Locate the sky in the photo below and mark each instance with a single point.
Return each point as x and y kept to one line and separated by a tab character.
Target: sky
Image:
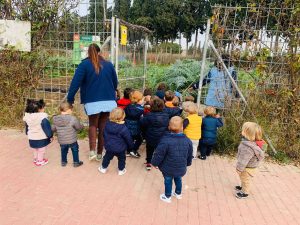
83	10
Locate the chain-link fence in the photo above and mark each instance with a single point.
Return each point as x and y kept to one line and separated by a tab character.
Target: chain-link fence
258	45
66	44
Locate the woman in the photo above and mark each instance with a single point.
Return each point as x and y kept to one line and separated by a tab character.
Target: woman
220	88
97	80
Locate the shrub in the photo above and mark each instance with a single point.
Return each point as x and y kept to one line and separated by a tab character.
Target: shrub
19	74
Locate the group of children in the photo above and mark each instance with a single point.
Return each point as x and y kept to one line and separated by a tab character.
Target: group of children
173	132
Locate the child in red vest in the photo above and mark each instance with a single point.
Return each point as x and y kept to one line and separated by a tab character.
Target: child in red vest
125	101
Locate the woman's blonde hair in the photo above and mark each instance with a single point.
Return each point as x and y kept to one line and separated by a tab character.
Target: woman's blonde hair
210	111
136	96
191	108
117	115
250	130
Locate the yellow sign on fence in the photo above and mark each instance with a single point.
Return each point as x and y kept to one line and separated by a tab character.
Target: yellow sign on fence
123	35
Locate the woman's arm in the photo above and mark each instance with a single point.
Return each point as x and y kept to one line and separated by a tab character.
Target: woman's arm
47	128
114	77
205	81
76	82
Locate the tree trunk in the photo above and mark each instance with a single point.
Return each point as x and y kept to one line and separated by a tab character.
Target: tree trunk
187	46
195	45
179	42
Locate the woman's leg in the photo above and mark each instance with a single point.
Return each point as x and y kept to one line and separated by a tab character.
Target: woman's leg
93	125
103	116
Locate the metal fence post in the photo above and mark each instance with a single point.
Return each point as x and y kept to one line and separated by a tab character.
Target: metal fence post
203	62
145	61
112	41
117	44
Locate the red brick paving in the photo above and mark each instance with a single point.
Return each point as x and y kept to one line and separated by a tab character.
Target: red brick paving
52	194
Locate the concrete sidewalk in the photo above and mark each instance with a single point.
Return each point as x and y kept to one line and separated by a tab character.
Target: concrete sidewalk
53	194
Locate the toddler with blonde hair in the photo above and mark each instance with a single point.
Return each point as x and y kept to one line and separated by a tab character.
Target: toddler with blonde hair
248	158
210	124
192	125
117	140
172	156
133	113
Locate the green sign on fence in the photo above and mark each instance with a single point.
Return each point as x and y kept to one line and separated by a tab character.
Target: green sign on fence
81	44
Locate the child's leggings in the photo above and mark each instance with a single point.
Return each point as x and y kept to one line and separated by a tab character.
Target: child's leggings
195	147
38	153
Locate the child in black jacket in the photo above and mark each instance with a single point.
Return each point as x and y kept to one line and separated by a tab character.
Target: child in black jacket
117	140
133	112
172	155
154	125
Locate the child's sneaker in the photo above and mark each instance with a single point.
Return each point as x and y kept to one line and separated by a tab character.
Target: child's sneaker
77	164
128	154
98	157
164	198
238	188
202	157
42	163
64	164
122	172
133	154
241	195
101	169
148	166
177	195
92	155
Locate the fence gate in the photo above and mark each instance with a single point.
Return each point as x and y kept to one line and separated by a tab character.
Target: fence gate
66	45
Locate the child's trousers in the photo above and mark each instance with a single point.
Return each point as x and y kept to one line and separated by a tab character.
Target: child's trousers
206	147
245	177
137	141
64	152
149	152
195	147
110	155
168	185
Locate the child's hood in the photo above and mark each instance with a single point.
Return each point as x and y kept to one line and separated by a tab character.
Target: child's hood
134	111
257	150
113	128
62	120
34	118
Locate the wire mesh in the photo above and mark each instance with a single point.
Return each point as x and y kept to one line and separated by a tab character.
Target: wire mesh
66	44
257	42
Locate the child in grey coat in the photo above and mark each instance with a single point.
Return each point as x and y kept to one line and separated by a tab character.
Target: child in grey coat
248	158
66	127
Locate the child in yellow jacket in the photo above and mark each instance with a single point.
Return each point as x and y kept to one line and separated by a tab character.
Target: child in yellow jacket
192	125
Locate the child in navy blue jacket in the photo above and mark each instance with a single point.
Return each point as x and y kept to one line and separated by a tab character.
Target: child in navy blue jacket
171	104
210	124
172	155
154	125
133	113
117	140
